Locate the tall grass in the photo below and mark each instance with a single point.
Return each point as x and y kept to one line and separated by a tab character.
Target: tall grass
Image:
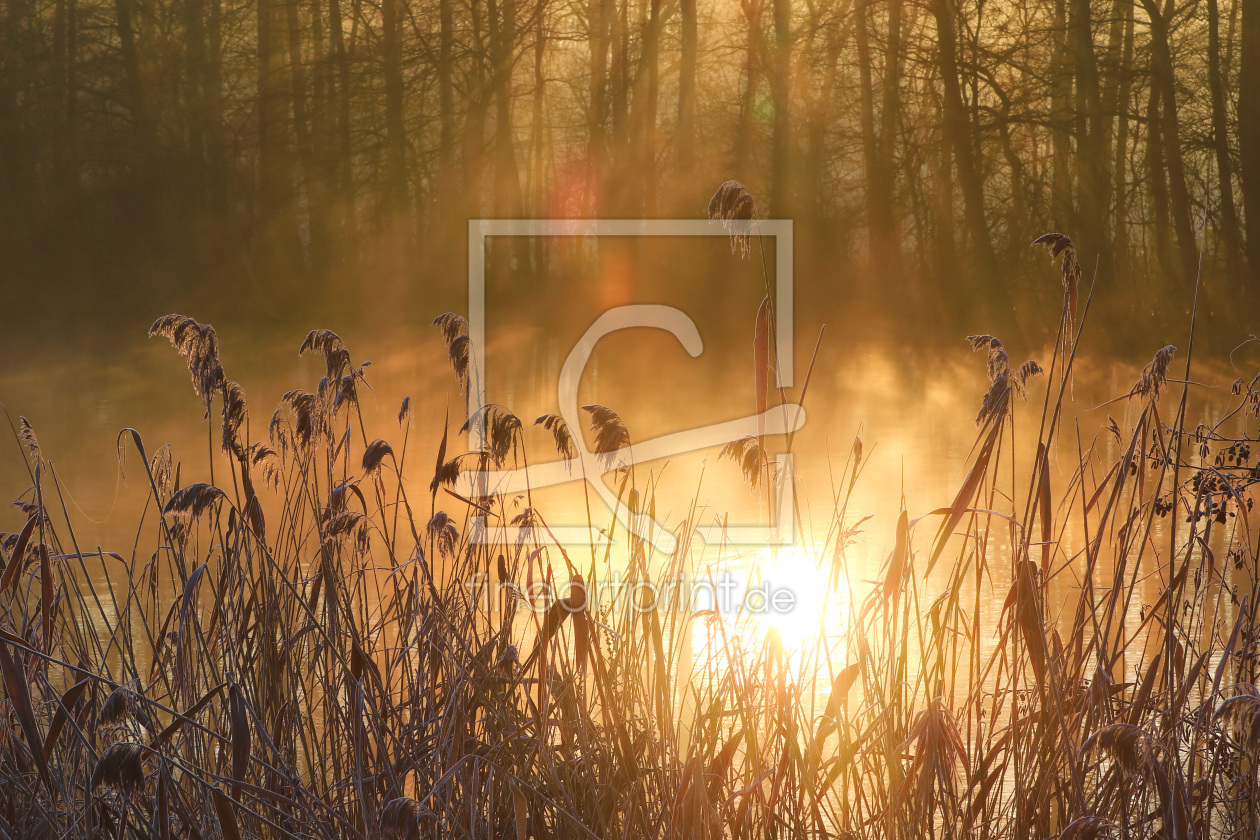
293	650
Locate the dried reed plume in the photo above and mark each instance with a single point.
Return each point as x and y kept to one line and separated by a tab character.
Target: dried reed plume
199	345
458	347
121	767
401	819
327	342
263	458
747	452
374	454
1154	375
310	419
1058	244
560	434
118	707
193	499
1241	715
734	206
234	416
443	533
1088	828
1127	745
1002	382
27	435
448	472
938	750
499	428
611	434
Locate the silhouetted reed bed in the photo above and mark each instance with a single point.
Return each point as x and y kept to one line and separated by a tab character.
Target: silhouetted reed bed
290	650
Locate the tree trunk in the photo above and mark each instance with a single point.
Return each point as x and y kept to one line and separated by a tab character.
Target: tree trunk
870	146
135	84
781	142
341	164
687	88
396	188
537	135
1162	79
1060	123
956	130
649	91
1228	221
1123	250
1091	173
446	97
507	183
1249	130
599	13
278	243
890	113
1159	187
744	136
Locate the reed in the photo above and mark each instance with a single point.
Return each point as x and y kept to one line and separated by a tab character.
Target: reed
300	650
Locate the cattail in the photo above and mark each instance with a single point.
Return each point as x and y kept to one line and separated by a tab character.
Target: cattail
443	533
611	434
374	454
199	345
560	433
734	206
1128	746
1088	828
1241	715
193	499
747	452
121	767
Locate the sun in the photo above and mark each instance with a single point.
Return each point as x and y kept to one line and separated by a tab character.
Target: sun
796	599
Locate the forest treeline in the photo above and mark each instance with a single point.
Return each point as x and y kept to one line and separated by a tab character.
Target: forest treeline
929	139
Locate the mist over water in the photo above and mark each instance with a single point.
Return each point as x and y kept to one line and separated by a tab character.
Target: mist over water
909	394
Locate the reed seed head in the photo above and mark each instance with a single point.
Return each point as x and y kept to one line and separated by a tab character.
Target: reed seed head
735	207
121	767
611	434
199	345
